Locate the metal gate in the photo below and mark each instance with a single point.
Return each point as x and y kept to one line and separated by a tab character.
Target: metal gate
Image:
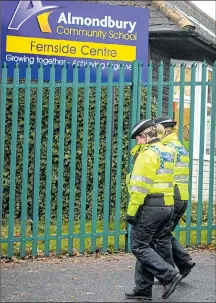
65	155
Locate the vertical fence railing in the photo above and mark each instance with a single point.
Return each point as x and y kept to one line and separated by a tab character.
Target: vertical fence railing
191	150
136	87
201	153
25	162
37	160
73	161
212	155
160	89
181	118
61	159
171	89
149	91
107	158
132	120
84	159
139	93
13	161
181	103
49	160
2	135
96	159
119	159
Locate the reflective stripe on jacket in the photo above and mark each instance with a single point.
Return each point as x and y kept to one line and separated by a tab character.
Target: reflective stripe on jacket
181	171
152	174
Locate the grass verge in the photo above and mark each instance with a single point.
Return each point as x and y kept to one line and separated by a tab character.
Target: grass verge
115	242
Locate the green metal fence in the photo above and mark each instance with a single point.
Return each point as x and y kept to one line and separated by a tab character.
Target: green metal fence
65	154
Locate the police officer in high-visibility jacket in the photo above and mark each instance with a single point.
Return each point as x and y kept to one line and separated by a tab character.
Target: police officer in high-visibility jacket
181	194
150	209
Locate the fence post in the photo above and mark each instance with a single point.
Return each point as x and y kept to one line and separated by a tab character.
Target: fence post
212	156
181	103
201	154
119	158
108	157
37	147
139	90
84	159
111	147
171	89
96	158
49	160
13	161
61	158
73	160
132	121
191	139
2	134
160	89
25	161
149	91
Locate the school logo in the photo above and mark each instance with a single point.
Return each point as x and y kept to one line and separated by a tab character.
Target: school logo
28	9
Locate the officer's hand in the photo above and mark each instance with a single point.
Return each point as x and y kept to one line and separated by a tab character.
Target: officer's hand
131	220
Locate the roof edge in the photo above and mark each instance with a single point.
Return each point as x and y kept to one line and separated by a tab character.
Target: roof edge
169	34
194	6
174	16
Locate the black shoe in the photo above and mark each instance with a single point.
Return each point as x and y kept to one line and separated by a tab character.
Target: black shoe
139	296
186	269
170	287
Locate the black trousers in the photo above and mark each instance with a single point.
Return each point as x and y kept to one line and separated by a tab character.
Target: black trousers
144	237
178	256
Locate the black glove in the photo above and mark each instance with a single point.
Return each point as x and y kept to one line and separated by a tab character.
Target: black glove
131	220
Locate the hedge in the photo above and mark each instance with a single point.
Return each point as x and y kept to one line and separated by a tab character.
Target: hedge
67	154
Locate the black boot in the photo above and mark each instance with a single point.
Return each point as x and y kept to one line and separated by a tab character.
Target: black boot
170	287
139	296
186	268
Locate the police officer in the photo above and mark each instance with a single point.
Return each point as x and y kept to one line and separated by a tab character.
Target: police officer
150	209
181	193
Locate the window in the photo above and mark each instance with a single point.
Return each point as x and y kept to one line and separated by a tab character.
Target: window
176	100
197	106
187	78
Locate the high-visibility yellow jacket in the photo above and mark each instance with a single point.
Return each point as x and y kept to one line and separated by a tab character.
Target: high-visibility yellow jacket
181	170
152	174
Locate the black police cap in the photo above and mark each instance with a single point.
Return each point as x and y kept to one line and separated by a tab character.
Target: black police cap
141	126
166	121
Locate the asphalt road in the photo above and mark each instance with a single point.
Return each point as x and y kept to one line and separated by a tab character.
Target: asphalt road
102	279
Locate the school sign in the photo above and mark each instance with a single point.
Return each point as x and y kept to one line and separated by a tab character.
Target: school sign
71	32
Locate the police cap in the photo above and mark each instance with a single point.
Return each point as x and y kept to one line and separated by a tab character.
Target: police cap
141	126
166	121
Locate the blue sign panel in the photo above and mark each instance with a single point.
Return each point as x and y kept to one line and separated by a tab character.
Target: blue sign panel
71	32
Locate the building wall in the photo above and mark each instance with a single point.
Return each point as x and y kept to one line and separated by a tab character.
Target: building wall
199	56
156	56
195	180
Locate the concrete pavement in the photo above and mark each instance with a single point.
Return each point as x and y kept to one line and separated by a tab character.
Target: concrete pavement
102	279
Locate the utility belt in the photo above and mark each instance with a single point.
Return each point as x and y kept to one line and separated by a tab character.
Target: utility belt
155	200
151	200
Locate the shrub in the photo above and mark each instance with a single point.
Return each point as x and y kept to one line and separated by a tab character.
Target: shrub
67	151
